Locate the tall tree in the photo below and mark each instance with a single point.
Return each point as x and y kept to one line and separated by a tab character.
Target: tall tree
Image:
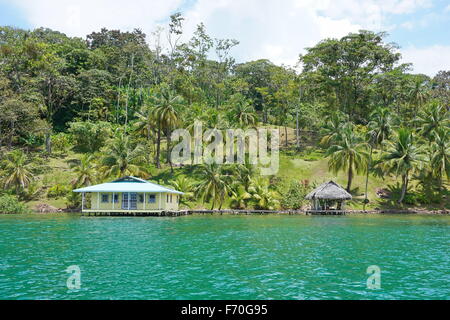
17	172
348	153
214	185
402	157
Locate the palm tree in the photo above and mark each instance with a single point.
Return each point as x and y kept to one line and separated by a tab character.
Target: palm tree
440	155
239	198
16	170
122	158
380	129
244	173
242	112
402	157
432	119
214	185
84	171
167	111
263	197
333	127
146	122
348	153
380	125
185	185
418	94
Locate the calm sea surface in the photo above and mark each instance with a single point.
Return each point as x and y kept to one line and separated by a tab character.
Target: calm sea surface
225	257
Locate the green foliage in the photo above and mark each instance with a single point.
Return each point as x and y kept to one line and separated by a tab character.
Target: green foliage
352	95
73	200
90	136
17	171
61	142
58	191
294	195
123	157
10	205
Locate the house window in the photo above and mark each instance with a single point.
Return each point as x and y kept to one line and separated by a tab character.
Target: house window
116	198
141	198
170	198
167	198
151	198
105	198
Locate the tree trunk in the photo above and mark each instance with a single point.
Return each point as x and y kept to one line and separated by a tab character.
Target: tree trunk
158	147
350	176
286	138
367	177
48	143
169	158
404	187
11	135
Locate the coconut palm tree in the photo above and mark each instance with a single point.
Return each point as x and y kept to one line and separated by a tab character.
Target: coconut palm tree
122	158
380	125
242	111
244	173
348	153
432	119
84	171
16	171
146	122
185	185
167	110
239	197
440	154
379	131
262	196
333	127
402	157
214	185
418	94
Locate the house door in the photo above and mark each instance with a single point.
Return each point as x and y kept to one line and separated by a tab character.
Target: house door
129	201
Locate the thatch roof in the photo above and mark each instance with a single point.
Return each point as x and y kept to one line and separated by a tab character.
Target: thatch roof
330	191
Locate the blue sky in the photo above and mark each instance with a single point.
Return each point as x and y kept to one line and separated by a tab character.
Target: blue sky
275	29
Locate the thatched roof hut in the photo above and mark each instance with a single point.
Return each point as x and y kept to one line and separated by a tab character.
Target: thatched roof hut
327	194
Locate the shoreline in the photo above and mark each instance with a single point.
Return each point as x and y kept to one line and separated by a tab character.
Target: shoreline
248	212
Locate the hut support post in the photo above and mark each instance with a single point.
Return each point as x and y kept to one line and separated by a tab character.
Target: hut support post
98	200
160	196
82	201
113	200
145	199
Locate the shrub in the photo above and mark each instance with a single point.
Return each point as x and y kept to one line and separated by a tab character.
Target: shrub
61	142
10	205
58	190
73	200
90	136
294	196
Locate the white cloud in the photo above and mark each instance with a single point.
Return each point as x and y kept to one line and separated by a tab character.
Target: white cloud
81	17
428	60
278	30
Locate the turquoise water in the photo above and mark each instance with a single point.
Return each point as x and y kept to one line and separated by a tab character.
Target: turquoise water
225	257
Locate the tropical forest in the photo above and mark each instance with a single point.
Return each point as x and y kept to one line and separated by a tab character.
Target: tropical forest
75	112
